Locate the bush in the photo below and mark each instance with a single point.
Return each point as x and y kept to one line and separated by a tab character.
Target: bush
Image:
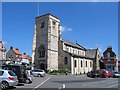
60	71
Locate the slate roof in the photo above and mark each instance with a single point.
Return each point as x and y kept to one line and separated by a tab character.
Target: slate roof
46	15
91	53
80	56
76	45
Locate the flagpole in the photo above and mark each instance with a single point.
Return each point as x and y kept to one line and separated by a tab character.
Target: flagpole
38	8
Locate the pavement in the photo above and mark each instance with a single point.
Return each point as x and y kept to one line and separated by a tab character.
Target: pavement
70	81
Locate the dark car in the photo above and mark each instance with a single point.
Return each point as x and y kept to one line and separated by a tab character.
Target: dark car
93	73
18	70
105	73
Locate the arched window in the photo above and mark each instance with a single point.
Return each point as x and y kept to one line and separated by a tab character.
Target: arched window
86	63
75	63
41	51
65	60
90	64
81	64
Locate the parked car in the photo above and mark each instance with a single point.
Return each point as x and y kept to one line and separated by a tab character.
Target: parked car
8	78
93	73
116	74
29	77
18	70
38	72
105	73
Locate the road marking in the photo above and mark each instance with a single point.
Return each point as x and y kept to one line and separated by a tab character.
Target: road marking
41	83
112	86
91	84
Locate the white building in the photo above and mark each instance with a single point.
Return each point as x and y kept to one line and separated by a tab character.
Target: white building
2	53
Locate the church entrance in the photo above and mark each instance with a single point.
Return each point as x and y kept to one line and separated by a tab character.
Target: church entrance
42	66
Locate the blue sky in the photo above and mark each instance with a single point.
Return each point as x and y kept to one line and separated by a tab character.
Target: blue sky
92	25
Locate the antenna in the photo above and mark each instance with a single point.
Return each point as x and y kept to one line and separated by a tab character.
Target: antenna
38	8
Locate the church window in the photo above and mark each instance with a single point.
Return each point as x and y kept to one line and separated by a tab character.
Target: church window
81	64
86	63
75	63
65	60
42	25
41	51
90	64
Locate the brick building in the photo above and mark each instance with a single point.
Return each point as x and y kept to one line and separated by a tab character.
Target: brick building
109	59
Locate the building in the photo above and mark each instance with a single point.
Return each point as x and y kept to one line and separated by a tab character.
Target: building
25	59
51	52
13	56
2	53
109	59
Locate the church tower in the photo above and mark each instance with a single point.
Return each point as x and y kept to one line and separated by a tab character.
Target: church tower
45	42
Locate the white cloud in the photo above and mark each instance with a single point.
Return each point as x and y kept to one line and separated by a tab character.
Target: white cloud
63	29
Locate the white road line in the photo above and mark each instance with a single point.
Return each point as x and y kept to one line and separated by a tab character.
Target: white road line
41	83
112	86
98	82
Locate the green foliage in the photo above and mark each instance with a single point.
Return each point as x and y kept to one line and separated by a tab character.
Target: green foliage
58	72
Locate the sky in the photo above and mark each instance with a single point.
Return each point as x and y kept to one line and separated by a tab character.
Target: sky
91	24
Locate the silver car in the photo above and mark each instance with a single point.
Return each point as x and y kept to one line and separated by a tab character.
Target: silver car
38	73
7	79
116	74
29	76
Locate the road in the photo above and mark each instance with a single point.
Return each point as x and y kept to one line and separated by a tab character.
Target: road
70	81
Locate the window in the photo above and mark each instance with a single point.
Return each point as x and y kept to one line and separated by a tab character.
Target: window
1	73
11	73
81	64
65	60
67	49
41	51
54	23
75	63
108	55
86	63
42	25
90	64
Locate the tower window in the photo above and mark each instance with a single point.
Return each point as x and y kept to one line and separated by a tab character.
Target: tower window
54	23
65	60
42	25
41	51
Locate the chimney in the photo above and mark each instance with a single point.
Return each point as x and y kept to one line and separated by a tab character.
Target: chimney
11	48
17	49
24	53
110	48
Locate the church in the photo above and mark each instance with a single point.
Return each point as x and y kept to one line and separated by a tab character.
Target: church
51	52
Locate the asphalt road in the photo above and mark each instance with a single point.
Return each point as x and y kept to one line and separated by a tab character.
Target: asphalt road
70	81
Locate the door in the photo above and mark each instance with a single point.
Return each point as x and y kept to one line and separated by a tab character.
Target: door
42	66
